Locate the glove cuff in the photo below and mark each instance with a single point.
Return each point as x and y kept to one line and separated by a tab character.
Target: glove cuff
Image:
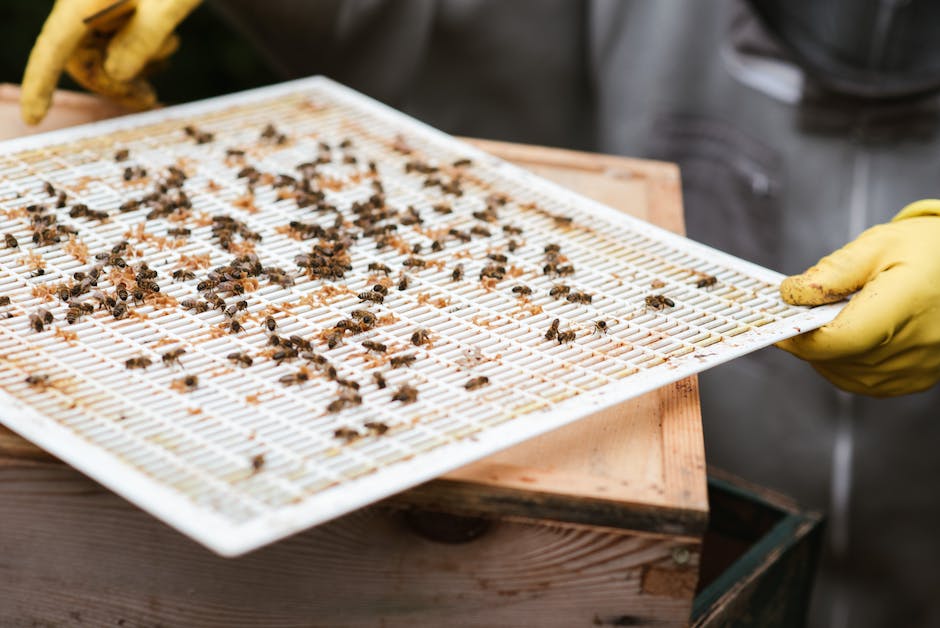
925	207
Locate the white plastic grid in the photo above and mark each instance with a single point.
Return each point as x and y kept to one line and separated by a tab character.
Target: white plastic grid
243	459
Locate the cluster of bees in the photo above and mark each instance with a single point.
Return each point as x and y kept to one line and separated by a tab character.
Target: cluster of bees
226	288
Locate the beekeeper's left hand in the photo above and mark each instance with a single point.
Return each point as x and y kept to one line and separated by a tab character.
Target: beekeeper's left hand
886	341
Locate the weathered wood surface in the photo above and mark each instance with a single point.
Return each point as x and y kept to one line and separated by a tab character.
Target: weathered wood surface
72	553
597	523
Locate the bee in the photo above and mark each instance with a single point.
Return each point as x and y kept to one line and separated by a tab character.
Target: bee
10	241
64	293
366	317
345	400
48	188
292	379
257	462
370	295
405	394
172	356
493	271
460	235
600	327
300	343
376	428
235	327
420	337
284	355
480	231
241	359
498	257
442	208
462	163
402	360
45	314
347	383
552	249
706	281
183	275
552	268
658	302
74	313
270	323
333	340
4	301
414	262
316	358
192	304
188	383
119	310
559	290
372	345
580	297
522	291
178	232
215	301
37	381
511	230
457	274
552	332
141	362
379	380
566	336
380	289
121	155
437	246
200	137
379	268
231	311
512	245
346	433
477	382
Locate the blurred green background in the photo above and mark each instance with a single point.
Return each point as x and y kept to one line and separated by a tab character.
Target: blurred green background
212	59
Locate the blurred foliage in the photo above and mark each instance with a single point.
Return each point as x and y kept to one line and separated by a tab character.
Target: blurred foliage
212	59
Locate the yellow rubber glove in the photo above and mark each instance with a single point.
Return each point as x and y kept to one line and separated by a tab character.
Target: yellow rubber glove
886	341
105	45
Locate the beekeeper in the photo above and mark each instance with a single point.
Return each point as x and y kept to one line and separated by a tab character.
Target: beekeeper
798	126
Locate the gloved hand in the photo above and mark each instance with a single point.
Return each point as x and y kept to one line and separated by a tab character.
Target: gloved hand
886	341
105	45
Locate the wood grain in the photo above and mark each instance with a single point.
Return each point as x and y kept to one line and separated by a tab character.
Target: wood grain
74	554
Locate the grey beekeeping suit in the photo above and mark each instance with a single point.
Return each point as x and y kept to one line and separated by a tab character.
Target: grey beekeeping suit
796	126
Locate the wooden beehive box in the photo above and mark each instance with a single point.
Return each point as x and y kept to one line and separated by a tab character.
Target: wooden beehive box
599	523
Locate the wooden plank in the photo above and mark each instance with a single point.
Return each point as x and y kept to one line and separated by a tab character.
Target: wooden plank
68	109
641	462
75	554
